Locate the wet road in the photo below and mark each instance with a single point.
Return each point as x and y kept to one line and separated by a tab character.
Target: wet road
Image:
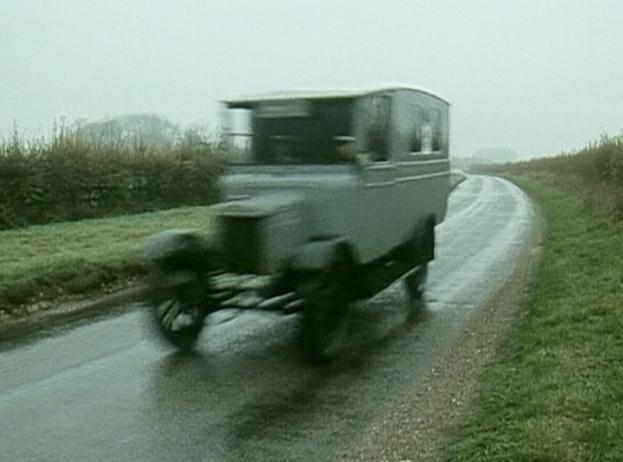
108	390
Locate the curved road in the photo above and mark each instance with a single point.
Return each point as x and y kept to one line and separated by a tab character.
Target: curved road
108	390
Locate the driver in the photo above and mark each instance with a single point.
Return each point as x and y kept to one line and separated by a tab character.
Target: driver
282	149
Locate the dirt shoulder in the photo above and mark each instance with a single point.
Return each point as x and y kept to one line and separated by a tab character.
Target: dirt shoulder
417	428
30	318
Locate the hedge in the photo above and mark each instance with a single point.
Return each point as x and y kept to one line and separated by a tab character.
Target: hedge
68	179
596	169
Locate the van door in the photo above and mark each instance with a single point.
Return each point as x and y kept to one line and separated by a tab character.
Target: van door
378	201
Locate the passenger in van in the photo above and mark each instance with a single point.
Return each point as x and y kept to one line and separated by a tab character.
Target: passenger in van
345	148
283	149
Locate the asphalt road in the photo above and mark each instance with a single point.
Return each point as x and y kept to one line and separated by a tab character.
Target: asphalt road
108	390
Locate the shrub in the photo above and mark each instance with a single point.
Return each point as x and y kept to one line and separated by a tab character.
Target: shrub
70	178
597	169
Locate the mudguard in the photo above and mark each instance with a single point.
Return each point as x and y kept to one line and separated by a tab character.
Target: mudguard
316	255
179	250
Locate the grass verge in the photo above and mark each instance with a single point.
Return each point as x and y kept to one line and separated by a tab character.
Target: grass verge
50	260
555	392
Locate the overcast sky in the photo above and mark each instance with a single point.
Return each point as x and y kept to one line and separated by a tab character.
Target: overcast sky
536	76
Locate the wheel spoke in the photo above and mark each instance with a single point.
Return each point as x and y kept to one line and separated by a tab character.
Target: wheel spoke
178	312
172	315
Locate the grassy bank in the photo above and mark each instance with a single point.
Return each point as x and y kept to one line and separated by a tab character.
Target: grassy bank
555	393
48	260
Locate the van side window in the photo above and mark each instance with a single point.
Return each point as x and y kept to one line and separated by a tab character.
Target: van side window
436	126
415	143
374	114
377	133
427	132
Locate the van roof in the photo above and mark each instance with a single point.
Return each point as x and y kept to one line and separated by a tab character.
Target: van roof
250	100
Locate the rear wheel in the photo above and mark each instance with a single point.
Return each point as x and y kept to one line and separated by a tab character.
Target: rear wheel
178	309
423	251
414	282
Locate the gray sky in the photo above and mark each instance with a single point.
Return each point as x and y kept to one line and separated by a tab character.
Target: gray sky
536	76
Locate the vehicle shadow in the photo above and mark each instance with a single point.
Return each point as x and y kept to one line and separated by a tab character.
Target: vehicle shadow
244	400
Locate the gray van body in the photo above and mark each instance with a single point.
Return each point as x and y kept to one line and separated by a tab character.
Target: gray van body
274	215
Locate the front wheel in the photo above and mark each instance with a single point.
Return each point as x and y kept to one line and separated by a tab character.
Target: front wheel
178	310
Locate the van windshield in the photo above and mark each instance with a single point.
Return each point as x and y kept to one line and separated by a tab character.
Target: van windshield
291	132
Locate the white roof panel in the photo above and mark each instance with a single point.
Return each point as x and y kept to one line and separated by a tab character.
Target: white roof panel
320	94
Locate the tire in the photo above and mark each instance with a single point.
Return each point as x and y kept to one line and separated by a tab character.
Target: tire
178	311
414	283
327	299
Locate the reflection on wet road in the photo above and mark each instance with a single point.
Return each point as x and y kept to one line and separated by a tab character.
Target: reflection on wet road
107	390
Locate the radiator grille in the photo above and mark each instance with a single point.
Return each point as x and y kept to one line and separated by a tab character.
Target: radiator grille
243	244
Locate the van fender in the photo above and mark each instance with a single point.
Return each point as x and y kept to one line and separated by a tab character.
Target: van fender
317	255
180	250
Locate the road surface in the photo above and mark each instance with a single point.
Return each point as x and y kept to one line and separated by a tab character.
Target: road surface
109	390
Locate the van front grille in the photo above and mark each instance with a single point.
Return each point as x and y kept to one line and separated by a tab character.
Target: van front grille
242	244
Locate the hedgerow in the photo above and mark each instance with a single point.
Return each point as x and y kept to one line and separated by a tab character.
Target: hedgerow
69	178
596	170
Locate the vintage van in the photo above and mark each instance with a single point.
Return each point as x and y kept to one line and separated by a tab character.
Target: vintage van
328	197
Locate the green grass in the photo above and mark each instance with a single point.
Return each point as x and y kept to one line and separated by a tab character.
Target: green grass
555	393
46	260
